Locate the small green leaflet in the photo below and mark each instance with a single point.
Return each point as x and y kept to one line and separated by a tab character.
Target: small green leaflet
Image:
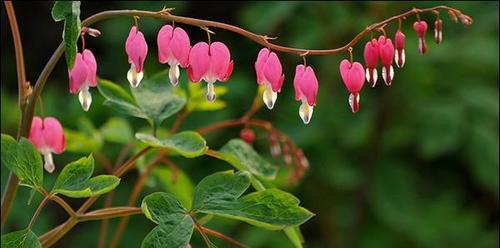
188	143
20	239
69	11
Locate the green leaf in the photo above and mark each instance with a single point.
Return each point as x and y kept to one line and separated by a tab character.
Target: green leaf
188	143
69	11
118	98
157	99
175	226
20	239
219	194
74	180
244	157
198	102
62	9
23	160
80	143
117	130
176	182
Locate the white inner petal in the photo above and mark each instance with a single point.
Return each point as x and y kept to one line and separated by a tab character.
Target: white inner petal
391	74
421	45
403	57
85	98
269	96
49	162
305	111
396	58
173	74
210	92
133	77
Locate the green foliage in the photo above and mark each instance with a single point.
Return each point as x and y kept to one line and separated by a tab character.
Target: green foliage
175	182
117	130
69	11
23	160
188	143
198	101
20	239
245	158
74	180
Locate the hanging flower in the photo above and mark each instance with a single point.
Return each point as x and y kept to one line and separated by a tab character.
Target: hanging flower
371	55
270	74
136	49
420	28
386	50
83	76
353	76
48	137
210	63
438	31
173	48
399	55
306	89
247	135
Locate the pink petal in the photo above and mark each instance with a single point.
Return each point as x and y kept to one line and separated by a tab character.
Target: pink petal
299	72
309	86
163	40
386	50
400	40
136	48
273	72
219	60
420	28
199	61
91	63
54	135
371	53
180	46
78	75
36	133
260	62
353	75
228	72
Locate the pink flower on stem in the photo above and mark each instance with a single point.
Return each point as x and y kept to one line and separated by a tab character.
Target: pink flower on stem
210	63
371	55
306	89
353	76
399	55
83	76
438	31
48	137
386	50
136	49
269	74
420	28
173	48
247	135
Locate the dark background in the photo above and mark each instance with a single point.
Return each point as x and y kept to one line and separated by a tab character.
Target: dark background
417	166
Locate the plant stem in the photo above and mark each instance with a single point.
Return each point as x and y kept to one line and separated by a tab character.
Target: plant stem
221	236
38	210
108	213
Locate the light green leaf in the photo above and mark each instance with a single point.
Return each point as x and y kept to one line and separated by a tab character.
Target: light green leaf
244	157
175	226
20	239
219	194
80	143
117	130
157	99
23	160
118	99
176	182
188	144
74	180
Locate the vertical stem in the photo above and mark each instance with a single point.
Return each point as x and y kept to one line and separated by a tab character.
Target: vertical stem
38	210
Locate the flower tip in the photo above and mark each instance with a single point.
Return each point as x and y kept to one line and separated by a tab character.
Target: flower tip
85	99
305	112
210	92
354	102
269	98
134	77
49	163
173	74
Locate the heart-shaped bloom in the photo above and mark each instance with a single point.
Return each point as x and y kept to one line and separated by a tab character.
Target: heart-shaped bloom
399	55
386	50
173	48
48	137
438	31
136	49
83	76
270	74
371	55
306	89
420	28
210	63
353	76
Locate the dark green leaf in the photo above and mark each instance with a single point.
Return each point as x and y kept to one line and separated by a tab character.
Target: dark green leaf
157	99
20	239
74	180
69	11
62	9
244	157
118	99
188	143
23	160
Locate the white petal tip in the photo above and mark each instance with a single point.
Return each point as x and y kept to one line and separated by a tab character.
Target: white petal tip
85	99
49	163
173	74
305	112
269	98
133	77
210	92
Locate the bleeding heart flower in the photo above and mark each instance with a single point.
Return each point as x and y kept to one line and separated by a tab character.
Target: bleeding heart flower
438	31
306	89
353	76
247	135
399	55
210	63
386	50
269	73
48	137
83	76
173	48
371	55
420	28
136	49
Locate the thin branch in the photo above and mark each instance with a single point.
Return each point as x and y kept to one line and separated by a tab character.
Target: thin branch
37	211
221	236
105	223
109	213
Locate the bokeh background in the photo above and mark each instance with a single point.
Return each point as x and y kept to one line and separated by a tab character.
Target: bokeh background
417	166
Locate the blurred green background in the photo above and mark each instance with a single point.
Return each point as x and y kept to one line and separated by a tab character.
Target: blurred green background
417	166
